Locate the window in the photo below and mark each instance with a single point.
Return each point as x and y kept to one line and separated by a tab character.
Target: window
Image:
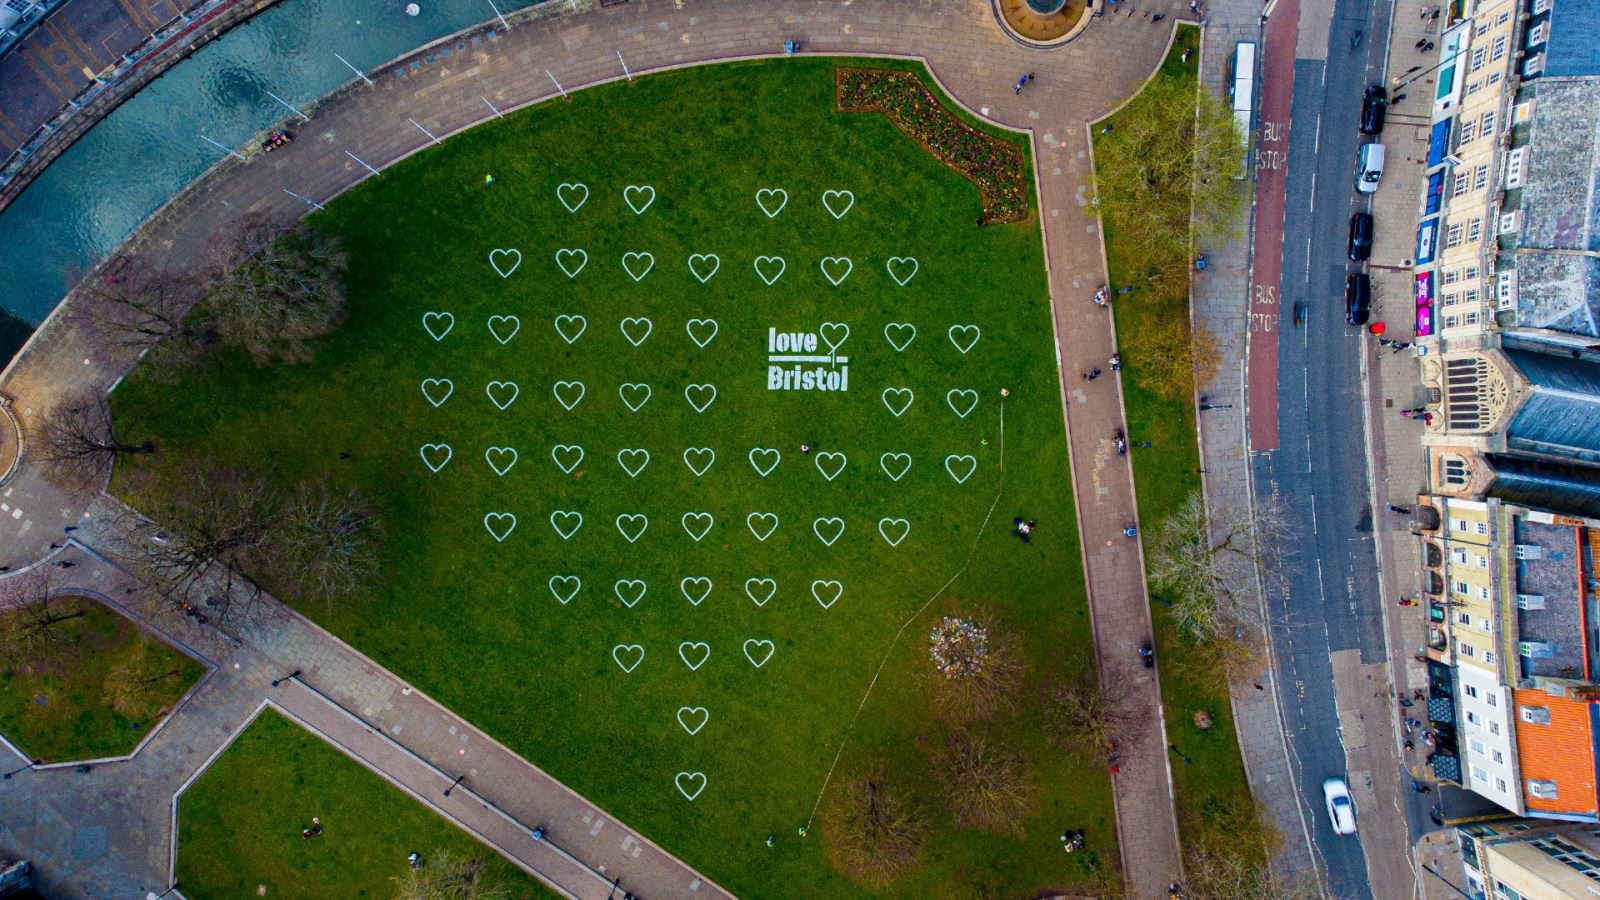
1459	555
1472	294
1473	88
1540	7
1469	129
1476	745
1533	65
1475	228
1483	527
1492	699
1482	561
1499	47
1472	719
1452	299
1480	179
1486	127
1460	524
1488	660
1539	34
1452	321
1461	183
1478	56
1462	587
1543	790
1470	272
1508	222
1471	318
1483	592
1507	288
1494	78
1479	774
1504	17
1453	236
1500	785
17	6
1467	650
1498	758
1470	690
1454	275
1494	727
1514	161
1455	470
1534	715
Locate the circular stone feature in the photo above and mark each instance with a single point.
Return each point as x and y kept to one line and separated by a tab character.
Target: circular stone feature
1042	23
1046	7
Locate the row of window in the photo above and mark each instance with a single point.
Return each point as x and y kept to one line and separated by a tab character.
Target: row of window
1475	719
1471	652
1464	274
1477	747
1464	524
1483	126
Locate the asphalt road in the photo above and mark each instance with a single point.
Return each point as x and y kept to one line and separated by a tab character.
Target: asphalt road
1327	598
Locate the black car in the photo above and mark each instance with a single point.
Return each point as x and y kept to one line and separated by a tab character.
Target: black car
1373	106
1357	298
1360	236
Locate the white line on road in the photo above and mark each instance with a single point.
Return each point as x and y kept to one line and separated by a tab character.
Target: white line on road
1313	513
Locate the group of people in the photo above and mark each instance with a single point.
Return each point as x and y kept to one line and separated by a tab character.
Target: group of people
275	140
312	830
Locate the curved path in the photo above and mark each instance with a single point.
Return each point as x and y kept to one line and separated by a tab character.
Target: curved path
975	62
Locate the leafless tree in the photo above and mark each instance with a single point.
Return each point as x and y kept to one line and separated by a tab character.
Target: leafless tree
985	783
30	620
874	830
977	678
328	539
1207	565
136	306
1239	872
274	289
78	442
1098	723
133	685
446	876
215	527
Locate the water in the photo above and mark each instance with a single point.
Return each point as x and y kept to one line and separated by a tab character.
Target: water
140	156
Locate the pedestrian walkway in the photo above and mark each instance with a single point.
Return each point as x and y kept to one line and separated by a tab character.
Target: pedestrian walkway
975	63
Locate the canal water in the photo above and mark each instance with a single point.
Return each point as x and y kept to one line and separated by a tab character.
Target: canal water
145	152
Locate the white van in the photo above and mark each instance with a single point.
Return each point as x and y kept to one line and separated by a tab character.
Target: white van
1369	168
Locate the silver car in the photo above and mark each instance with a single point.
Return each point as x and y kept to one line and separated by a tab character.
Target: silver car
1341	808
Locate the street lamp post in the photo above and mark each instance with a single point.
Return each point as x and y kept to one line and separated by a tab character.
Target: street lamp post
459	779
1211	406
278	681
31	764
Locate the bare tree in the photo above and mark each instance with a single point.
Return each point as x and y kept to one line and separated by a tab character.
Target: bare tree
330	539
273	290
31	620
1207	564
448	877
1093	721
875	831
133	685
1238	871
79	443
1168	358
137	306
985	783
977	667
216	527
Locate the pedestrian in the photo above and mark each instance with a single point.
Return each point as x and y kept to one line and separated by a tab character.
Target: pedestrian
1084	375
344	454
1397	98
980	220
1428	47
69	529
1419	43
772	840
1093	374
1186	54
1157	17
805	448
1020	82
65	563
1402	510
316	826
5	568
1144	444
55	546
1106	128
488	180
1409	746
804	830
414	860
1194	6
1116	362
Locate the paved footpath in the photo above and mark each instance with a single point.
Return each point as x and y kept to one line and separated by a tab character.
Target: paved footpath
973	60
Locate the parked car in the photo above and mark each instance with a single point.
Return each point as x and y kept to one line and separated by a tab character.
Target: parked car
1369	168
1374	105
1357	298
1360	236
1341	808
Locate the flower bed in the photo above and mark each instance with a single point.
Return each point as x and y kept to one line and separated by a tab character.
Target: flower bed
994	165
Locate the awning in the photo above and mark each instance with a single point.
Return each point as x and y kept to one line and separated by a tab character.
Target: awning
1435	194
1426	233
1439	143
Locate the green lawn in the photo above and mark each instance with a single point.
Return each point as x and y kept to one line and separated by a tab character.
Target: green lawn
56	709
239	825
1213	797
475	621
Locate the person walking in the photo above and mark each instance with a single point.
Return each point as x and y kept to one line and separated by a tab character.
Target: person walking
1402	510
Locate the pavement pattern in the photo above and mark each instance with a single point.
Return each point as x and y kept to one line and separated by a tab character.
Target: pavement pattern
396	116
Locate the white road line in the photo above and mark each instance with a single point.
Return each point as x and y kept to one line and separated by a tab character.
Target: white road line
1313	509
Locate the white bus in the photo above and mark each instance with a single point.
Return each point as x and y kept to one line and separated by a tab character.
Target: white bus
1243	93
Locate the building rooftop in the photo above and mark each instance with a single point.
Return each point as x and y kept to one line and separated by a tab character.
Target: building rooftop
1552	571
1560	418
1558	487
1571	48
1560	291
1558	286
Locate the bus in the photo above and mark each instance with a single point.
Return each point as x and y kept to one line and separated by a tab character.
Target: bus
1243	94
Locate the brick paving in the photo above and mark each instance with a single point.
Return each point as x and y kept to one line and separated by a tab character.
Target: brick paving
974	62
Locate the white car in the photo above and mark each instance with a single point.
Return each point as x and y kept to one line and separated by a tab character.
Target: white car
1341	809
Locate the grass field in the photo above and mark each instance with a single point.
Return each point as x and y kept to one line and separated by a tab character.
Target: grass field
57	710
239	825
1213	796
533	637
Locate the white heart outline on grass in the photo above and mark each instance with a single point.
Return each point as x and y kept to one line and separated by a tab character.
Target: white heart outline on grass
850	202
575	581
772	213
695	645
632	517
692	324
782	267
633	452
492	387
697	579
902	524
508	251
899	348
900	261
770	585
702	712
834	261
883	462
826	327
566	253
970	461
705	517
561	190
776	458
700	472
648	257
633	321
516	326
700	388
830	520
629	583
428	317
716	263
583	325
434	448
561	386
763	642
964	393
906	392
558	449
566	515
767	518
964	329
626	386
499	519
679	778
629	648
831	454
838	591
627	197
490	452
428	383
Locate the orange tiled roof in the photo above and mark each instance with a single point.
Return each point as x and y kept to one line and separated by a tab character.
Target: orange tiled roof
1563	752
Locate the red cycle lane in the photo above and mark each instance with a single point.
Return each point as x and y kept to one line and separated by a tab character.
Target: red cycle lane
1266	270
